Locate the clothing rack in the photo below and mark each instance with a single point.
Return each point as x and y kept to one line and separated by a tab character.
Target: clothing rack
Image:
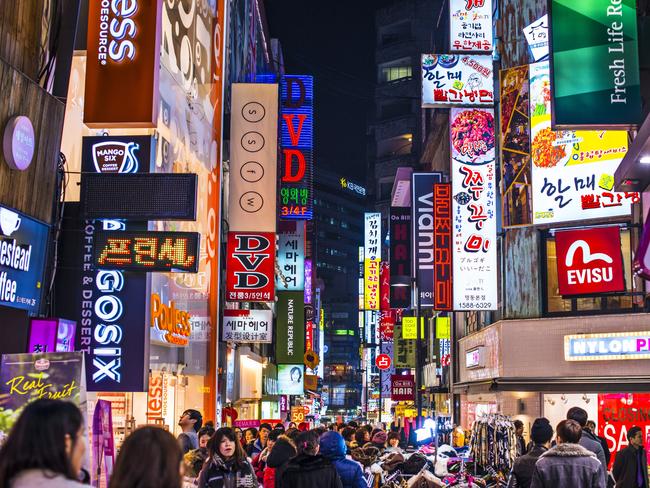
493	442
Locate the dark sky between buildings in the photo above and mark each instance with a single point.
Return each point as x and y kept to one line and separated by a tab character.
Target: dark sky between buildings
334	42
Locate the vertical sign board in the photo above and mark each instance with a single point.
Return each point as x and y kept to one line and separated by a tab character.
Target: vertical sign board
422	223
452	80
372	256
290	328
110	305
253	155
400	257
442	243
251	267
572	171
470	25
474	189
384	286
296	182
595	59
387	349
123	63
291	257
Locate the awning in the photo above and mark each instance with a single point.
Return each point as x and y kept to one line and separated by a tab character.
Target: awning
611	384
632	175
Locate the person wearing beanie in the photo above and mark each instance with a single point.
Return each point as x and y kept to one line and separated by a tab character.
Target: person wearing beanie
332	446
379	440
541	434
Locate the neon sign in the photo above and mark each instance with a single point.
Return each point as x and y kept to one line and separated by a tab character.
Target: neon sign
173	325
148	251
296	192
116	30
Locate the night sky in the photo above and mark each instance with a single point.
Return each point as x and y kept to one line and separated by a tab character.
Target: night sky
334	42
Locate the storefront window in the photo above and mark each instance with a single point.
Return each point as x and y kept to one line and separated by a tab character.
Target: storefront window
629	301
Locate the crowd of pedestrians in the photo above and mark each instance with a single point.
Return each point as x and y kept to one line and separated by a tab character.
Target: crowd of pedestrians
47	446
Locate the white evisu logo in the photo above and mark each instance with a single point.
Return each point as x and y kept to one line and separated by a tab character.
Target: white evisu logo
589	275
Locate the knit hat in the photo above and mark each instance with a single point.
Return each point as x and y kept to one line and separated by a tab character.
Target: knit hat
541	431
380	438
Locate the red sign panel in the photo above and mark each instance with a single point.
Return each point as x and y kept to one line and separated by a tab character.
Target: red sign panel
442	241
383	362
402	388
123	63
251	267
384	286
309	336
589	261
387	319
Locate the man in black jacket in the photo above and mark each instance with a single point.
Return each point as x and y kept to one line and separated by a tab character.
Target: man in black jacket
522	472
631	465
591	431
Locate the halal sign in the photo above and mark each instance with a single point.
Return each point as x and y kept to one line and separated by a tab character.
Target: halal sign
383	362
589	261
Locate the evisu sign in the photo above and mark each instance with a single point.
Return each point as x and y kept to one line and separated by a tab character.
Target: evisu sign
251	267
589	261
123	63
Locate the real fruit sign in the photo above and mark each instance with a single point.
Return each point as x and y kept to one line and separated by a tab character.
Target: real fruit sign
589	261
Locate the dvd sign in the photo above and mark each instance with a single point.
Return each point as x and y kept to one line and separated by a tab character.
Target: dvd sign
589	261
251	267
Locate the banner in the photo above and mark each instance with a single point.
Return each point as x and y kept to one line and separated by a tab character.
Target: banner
422	225
402	388
123	64
470	25
442	244
618	413
296	181
384	286
573	171
28	377
250	270
595	59
515	147
290	275
387	319
290	328
400	257
371	281
473	176
242	326
403	350
103	444
253	157
457	80
536	35
372	256
387	348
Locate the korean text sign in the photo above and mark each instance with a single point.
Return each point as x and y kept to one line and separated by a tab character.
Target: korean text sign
402	388
291	257
474	209
372	256
470	25
589	261
247	326
457	80
442	244
251	267
594	53
573	171
400	256
296	192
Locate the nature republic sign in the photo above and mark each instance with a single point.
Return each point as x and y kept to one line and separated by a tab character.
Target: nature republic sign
594	55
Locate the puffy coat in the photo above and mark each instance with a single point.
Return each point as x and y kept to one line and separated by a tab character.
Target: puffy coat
332	446
283	450
221	474
568	465
522	471
305	471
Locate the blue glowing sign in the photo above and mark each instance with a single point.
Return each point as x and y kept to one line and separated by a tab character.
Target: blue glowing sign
290	274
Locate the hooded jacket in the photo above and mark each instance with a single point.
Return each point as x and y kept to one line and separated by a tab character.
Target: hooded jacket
225	474
306	471
569	465
283	450
332	446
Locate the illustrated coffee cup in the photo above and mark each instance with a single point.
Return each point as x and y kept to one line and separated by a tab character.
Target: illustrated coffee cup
9	221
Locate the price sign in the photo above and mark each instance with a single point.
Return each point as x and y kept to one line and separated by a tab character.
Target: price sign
298	414
148	251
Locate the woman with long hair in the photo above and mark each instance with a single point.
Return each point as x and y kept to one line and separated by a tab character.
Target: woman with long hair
227	465
309	469
150	458
45	447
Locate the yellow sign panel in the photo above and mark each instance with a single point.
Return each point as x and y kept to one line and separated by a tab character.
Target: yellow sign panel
443	327
371	284
409	328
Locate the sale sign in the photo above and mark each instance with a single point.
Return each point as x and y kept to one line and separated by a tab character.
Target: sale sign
402	388
251	267
619	412
589	261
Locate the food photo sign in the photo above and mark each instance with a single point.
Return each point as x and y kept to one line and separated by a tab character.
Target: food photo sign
573	171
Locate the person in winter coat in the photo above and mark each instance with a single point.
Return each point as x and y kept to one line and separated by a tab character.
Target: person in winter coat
379	441
568	464
587	439
45	447
332	446
259	444
631	464
259	461
283	450
227	466
150	456
309	469
541	434
348	437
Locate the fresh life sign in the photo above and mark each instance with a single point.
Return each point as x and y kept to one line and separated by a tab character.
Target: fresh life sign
595	61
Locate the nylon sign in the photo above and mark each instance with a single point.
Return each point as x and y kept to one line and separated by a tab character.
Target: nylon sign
589	261
251	267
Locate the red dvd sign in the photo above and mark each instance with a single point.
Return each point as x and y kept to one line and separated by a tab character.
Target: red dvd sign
250	271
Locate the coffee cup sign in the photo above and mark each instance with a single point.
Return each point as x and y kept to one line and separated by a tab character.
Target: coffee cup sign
18	142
